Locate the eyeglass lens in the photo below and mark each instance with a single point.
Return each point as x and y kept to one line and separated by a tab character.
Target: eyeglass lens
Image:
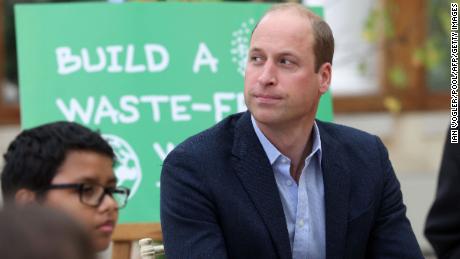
94	194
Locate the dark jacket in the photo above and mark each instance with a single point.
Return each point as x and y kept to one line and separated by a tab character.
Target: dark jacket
442	227
219	197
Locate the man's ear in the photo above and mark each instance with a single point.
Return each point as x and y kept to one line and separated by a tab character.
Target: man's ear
325	74
25	196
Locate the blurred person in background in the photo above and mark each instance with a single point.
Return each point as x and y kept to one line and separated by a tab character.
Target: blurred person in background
442	227
37	232
69	167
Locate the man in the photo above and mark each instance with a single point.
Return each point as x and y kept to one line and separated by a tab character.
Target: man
443	222
275	183
66	166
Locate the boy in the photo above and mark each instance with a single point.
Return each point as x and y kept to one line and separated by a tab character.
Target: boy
66	166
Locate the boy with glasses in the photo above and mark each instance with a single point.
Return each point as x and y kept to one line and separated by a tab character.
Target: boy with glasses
66	166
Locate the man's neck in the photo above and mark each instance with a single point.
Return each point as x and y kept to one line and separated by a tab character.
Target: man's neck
293	142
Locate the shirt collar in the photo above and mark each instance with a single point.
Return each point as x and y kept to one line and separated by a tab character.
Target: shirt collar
273	153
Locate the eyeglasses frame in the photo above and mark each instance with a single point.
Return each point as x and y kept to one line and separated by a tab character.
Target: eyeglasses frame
79	187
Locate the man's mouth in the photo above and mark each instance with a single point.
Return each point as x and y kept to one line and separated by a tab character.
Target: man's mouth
267	98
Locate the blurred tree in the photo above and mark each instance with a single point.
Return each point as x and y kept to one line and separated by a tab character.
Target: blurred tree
431	54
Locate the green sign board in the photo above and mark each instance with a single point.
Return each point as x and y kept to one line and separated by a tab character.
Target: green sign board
148	75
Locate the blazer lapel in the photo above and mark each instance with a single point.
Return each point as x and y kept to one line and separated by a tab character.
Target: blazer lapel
256	176
336	179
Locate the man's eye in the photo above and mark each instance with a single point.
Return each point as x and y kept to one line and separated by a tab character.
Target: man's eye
256	59
286	62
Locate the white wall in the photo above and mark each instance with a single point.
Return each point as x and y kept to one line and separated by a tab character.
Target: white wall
7	133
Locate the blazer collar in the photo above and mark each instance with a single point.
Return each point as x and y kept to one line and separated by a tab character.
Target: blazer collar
256	175
336	177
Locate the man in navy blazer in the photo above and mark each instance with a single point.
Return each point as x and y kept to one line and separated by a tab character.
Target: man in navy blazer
274	182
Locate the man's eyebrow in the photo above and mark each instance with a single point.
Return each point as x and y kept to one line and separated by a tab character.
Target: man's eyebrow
255	49
287	53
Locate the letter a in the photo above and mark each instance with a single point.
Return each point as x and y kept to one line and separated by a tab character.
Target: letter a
204	58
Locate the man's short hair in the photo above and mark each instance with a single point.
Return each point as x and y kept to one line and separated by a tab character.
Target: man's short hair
323	47
35	155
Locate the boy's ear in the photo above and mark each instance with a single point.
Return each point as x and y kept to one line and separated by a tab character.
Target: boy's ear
25	196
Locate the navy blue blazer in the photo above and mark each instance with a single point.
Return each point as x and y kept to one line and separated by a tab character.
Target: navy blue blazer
219	197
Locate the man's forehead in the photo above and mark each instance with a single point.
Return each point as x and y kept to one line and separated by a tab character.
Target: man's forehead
282	29
284	20
285	13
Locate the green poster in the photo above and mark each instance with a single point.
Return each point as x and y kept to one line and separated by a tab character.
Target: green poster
148	75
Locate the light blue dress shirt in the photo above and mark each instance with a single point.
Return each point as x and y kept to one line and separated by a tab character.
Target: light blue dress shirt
303	203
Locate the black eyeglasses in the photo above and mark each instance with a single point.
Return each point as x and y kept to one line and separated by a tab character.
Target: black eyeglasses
93	194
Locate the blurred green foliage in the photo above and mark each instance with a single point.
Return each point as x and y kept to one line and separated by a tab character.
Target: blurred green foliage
432	54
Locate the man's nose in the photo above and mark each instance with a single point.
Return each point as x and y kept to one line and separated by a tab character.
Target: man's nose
268	74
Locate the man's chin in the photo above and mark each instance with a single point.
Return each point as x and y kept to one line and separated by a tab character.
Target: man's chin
266	117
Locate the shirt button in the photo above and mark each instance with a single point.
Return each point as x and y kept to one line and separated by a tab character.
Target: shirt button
288	182
301	223
284	160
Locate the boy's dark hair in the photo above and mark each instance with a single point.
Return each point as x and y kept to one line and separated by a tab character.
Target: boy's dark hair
34	156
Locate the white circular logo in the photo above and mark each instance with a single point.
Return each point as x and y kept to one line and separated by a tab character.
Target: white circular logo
240	45
127	167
